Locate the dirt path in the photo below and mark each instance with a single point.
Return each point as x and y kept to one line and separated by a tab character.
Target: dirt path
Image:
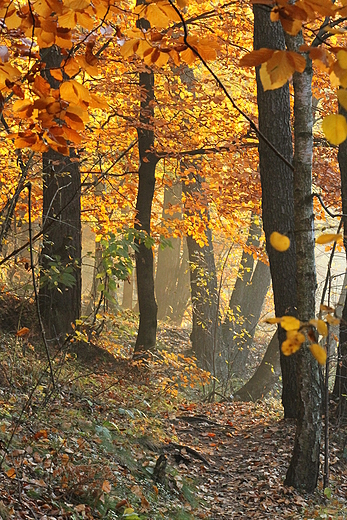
248	447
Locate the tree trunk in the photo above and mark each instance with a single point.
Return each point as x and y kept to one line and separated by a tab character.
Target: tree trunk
168	258
277	194
251	309
245	304
265	376
182	289
304	466
128	287
146	336
244	275
340	386
60	304
203	286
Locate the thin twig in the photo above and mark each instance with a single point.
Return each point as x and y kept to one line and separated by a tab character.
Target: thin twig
327	210
43	333
224	89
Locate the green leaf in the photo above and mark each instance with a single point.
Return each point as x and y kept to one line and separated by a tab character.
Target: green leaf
327	492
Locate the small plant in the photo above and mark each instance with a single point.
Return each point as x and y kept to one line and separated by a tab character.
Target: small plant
57	274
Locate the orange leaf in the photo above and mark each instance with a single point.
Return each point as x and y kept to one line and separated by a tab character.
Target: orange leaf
255	58
106	486
22	332
56	74
211	435
11	473
41	434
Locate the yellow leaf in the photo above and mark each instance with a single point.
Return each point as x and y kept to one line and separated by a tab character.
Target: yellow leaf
327	238
13	22
23	105
45	7
129	47
74	92
296	336
319	353
68	20
92	70
322	328
41	86
162	59
8	72
289	347
188	56
342	59
63	38
276	71
77	5
86	21
206	52
335	128
98	102
144	47
156	17
290	323
279	242
256	58
273	320
44	38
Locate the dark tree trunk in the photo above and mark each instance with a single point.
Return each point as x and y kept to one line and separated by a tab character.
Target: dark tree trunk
60	304
168	258
265	376
340	386
203	286
146	336
304	466
277	195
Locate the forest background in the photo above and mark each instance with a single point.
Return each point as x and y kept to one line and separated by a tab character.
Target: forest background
141	133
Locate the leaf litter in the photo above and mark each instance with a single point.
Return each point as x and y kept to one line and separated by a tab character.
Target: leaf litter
132	440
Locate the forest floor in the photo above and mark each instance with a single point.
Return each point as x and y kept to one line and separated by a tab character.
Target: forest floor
119	439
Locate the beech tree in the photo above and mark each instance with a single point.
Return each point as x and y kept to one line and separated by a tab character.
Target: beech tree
60	276
277	194
245	304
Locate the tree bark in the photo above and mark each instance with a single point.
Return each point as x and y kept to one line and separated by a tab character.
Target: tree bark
128	287
60	305
168	258
277	194
340	386
203	286
146	336
182	289
251	309
304	466
245	304
265	376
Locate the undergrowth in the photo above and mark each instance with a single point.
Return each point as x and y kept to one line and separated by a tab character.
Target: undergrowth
86	446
